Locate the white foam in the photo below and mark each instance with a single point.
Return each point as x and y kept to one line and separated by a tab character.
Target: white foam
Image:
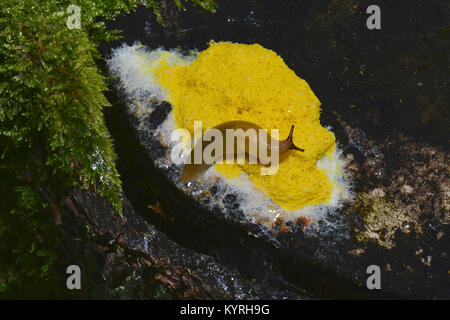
131	65
134	66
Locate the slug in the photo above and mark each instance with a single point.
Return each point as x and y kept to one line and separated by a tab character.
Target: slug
192	171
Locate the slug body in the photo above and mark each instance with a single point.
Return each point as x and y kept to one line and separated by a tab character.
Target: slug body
193	170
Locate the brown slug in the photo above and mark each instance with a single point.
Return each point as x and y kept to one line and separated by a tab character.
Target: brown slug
192	171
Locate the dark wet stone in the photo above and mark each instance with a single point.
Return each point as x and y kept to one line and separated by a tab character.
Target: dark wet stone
214	189
159	114
135	261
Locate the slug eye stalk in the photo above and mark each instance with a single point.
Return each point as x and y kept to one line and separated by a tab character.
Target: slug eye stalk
290	140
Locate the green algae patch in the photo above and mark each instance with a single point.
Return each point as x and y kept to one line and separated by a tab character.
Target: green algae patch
382	219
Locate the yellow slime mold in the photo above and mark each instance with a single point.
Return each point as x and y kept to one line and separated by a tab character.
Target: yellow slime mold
231	81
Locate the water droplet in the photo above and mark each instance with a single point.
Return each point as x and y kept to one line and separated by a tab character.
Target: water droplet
230	20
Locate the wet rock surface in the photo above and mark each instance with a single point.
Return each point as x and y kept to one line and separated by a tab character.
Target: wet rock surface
396	148
126	258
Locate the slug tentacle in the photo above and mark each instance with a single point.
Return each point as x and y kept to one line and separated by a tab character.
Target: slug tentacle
290	139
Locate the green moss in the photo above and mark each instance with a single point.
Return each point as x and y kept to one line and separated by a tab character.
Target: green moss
52	129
